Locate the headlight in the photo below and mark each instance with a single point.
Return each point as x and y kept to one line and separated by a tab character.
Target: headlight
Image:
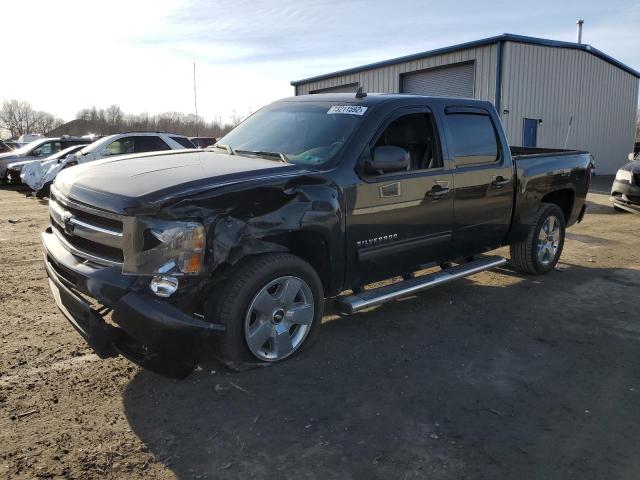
623	175
164	247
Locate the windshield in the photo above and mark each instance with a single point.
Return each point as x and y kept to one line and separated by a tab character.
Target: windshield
302	133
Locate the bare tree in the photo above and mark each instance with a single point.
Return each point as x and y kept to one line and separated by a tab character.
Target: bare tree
20	118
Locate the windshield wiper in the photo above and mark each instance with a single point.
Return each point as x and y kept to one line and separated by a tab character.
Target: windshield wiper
261	153
228	148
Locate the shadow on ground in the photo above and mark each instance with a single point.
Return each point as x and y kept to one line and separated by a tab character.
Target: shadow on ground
537	379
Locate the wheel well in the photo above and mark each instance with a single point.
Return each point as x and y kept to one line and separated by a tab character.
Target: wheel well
563	199
313	249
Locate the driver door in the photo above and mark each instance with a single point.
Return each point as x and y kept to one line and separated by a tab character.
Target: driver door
401	220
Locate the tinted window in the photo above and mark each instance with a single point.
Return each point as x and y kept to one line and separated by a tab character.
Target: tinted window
150	144
473	137
126	145
46	149
415	133
185	142
71	143
121	146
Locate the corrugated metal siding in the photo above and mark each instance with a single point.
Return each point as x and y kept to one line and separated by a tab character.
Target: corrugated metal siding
556	84
454	81
348	88
387	79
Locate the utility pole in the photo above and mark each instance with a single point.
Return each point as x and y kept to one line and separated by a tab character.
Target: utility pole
195	98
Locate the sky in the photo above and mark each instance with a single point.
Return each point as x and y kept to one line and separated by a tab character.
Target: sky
67	55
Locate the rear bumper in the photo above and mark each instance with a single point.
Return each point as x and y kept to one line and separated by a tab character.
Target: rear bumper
146	329
626	196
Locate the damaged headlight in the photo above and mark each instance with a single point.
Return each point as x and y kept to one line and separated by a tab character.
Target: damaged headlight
623	175
163	247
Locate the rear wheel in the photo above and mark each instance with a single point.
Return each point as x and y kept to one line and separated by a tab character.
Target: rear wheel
540	251
272	307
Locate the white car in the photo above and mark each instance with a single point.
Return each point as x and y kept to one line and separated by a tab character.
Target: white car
39	150
39	175
14	169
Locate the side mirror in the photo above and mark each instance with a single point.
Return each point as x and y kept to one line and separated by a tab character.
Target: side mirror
387	159
631	157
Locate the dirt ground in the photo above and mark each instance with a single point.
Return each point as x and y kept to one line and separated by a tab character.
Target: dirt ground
497	376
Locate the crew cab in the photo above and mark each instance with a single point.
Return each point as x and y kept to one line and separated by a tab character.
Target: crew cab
171	257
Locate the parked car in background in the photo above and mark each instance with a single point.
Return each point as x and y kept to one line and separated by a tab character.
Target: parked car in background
16	171
4	148
625	191
203	142
113	145
30	137
13	144
39	150
233	250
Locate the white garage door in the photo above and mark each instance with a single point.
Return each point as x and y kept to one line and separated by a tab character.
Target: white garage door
456	81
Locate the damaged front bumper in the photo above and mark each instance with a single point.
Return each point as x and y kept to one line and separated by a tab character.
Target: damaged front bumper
626	196
148	330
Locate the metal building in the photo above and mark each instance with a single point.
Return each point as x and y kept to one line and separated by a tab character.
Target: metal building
549	93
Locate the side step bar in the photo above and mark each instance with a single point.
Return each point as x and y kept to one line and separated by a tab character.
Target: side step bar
369	298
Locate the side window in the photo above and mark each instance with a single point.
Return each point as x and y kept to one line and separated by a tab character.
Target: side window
46	149
122	146
185	142
416	134
473	137
150	144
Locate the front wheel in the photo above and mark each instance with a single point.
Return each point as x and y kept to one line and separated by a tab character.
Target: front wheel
272	307
540	251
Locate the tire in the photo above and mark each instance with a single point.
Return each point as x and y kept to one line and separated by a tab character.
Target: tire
532	257
253	303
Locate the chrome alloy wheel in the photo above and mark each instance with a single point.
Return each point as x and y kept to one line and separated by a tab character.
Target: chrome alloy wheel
549	240
279	318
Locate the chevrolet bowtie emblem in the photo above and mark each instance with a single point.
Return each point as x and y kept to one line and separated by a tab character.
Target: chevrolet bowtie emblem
67	218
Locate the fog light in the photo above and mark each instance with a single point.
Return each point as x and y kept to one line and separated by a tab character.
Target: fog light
164	286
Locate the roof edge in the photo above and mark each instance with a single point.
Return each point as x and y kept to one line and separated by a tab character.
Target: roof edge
505	37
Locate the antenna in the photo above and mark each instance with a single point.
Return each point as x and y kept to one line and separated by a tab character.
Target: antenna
360	93
195	98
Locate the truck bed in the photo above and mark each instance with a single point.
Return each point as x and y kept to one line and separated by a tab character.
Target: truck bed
520	152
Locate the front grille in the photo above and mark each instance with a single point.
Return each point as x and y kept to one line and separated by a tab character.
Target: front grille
87	232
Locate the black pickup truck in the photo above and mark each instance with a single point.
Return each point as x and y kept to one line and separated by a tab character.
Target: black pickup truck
231	251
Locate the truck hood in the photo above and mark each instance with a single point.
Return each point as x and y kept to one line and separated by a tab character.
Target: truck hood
129	181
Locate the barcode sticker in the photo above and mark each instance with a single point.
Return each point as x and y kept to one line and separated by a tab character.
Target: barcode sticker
348	109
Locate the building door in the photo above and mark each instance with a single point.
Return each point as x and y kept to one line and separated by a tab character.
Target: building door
450	81
530	132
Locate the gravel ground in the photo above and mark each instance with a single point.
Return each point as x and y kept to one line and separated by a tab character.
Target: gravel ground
497	376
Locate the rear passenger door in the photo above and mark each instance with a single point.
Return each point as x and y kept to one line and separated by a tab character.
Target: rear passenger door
483	180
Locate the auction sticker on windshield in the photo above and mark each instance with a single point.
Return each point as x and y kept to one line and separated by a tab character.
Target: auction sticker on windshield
348	109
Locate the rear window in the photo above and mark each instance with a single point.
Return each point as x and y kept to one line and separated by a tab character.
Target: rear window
185	142
473	138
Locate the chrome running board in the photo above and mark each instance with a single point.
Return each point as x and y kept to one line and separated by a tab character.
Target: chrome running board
369	298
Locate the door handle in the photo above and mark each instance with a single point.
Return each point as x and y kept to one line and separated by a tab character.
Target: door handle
500	181
437	191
